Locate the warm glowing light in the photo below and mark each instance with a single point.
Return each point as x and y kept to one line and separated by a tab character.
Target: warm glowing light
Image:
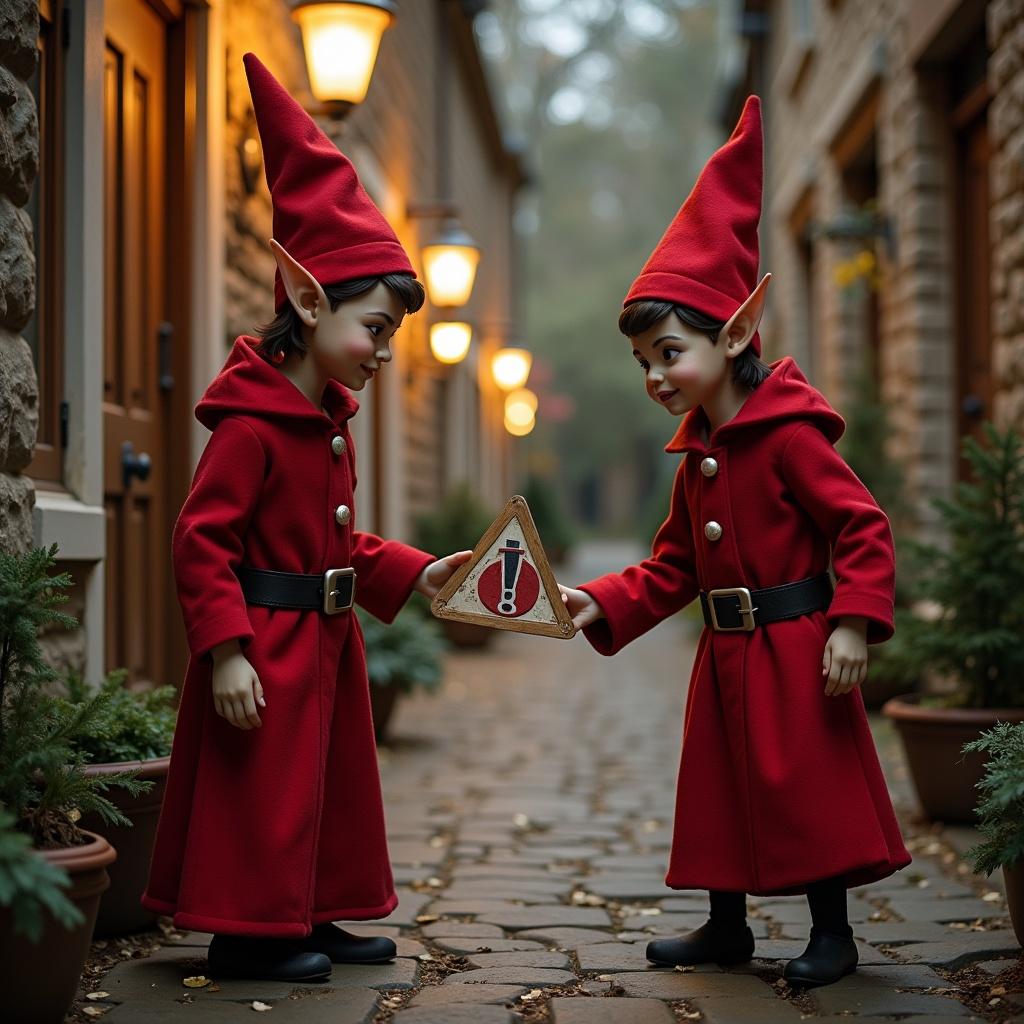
520	405
517	429
449	341
341	42
449	265
510	368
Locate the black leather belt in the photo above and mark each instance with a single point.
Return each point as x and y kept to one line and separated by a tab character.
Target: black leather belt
330	592
737	609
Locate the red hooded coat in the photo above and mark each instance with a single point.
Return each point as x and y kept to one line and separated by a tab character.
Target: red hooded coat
271	830
779	784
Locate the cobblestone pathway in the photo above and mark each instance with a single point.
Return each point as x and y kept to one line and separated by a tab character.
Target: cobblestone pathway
529	807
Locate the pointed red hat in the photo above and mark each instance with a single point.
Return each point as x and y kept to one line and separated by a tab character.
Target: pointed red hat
322	214
707	259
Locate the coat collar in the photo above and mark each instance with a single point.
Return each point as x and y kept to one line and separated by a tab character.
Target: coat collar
785	395
249	385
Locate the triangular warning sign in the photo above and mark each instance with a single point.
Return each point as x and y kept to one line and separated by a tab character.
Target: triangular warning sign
507	584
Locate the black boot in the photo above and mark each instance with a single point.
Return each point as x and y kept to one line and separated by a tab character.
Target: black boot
239	956
826	959
342	947
710	943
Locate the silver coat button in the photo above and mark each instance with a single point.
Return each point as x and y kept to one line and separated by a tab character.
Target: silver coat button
338	445
343	514
709	467
712	530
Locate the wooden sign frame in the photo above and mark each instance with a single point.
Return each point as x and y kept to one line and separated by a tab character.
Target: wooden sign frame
515	508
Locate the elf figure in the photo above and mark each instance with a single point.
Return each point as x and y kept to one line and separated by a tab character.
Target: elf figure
780	791
272	825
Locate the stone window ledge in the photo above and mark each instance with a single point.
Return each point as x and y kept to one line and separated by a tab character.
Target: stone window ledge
78	529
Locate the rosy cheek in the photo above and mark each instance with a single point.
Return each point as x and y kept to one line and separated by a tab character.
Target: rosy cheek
685	375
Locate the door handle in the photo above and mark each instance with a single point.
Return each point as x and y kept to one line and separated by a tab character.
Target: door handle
133	465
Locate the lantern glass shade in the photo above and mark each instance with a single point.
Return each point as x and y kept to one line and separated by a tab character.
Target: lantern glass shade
449	265
510	368
341	42
518	429
449	341
520	408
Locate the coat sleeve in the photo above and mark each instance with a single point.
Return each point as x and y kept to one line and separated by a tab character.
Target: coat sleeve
863	556
385	569
207	544
637	599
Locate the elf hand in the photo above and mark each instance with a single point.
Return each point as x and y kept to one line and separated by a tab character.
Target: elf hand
582	607
437	574
236	687
845	661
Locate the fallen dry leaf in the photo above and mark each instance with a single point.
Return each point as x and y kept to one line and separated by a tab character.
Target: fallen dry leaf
197	981
261	1007
98	1011
427	918
534	993
97	995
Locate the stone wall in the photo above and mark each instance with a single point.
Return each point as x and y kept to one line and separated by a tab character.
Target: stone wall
19	165
821	72
1006	135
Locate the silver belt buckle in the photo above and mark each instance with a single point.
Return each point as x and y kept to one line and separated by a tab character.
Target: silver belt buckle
331	606
746	609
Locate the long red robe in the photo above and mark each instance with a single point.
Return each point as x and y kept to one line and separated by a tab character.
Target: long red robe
779	785
271	830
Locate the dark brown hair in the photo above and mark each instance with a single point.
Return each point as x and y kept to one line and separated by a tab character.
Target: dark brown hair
284	332
747	369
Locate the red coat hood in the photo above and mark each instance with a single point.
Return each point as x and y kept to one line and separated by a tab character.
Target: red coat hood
785	395
247	384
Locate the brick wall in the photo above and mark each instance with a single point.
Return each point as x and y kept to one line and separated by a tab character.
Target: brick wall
19	164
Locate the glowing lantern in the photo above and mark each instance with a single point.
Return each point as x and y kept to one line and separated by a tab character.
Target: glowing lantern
449	265
510	368
449	341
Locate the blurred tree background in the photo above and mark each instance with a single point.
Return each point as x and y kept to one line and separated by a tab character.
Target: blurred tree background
615	100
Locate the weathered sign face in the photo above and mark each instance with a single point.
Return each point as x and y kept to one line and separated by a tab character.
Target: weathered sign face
508	583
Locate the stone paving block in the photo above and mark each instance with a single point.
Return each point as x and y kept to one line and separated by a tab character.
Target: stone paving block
670	984
455	1015
627	888
518	918
882	1000
939	1018
521	958
664	924
416	853
696	904
962	949
613	956
461	929
501	872
945	910
634	861
482	887
762	1009
569	938
400	974
452	995
498	893
898	933
562	851
609	1011
897	976
996	967
188	939
469	908
533	977
410	905
465	946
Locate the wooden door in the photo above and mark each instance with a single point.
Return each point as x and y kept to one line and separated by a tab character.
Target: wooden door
134	400
974	293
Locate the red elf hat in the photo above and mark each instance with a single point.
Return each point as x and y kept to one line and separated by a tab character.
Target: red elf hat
708	257
322	214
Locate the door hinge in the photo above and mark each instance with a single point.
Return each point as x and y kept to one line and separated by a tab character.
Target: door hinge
65	415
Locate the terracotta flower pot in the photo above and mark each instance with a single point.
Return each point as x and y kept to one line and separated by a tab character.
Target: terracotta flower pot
944	778
121	912
40	980
383	700
1013	877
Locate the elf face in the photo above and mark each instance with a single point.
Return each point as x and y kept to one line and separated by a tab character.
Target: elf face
350	344
682	368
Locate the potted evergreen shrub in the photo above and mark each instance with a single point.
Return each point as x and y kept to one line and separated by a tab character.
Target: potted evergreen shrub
134	732
400	658
1000	812
552	525
976	582
44	792
457	524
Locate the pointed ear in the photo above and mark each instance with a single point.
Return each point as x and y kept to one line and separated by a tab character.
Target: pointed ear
742	325
303	290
